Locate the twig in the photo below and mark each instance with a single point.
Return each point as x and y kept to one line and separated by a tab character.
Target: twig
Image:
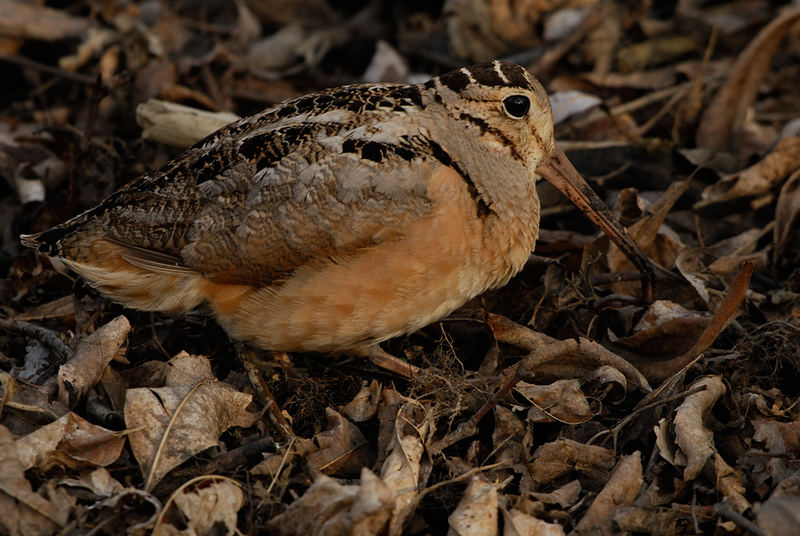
49	337
49	69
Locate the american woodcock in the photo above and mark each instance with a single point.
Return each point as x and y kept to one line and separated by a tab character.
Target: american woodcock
337	220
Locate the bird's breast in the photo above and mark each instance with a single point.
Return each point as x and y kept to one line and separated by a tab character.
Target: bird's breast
440	261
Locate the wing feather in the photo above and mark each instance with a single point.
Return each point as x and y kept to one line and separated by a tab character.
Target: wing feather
270	193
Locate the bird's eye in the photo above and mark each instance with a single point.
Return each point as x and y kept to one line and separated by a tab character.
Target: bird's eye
517	106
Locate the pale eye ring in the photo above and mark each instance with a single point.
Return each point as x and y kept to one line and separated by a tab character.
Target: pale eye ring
517	106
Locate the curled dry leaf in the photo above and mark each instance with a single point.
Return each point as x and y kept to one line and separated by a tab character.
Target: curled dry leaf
170	424
206	505
24	511
558	458
507	436
331	509
99	482
787	216
131	511
476	513
729	483
723	118
759	178
561	401
516	523
779	516
93	354
565	496
342	447
386	66
185	370
550	357
365	404
701	267
70	441
402	469
621	490
695	440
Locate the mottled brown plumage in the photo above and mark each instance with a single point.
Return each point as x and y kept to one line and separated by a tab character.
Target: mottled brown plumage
337	220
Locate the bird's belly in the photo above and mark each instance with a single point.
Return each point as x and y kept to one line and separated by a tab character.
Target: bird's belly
385	291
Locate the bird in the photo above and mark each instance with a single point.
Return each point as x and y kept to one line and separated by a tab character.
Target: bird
334	221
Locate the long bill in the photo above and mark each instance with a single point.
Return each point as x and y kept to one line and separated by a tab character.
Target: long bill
560	172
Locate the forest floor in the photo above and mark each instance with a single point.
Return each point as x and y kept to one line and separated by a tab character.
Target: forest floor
560	403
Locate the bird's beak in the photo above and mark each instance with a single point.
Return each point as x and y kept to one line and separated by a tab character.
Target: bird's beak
560	172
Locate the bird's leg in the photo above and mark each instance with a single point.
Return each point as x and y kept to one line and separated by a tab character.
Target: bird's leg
386	361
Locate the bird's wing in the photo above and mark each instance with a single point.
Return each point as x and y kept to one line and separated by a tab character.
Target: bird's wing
266	195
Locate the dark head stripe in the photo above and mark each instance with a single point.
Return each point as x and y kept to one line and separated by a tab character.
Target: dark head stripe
455	80
515	75
495	74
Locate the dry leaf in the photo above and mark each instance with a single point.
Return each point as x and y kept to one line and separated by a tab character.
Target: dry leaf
365	404
70	441
565	496
759	178
33	21
170	424
208	505
729	484
787	216
562	401
780	516
131	511
93	354
558	458
723	118
341	447
695	440
476	513
99	482
328	508
621	490
25	513
402	469
516	523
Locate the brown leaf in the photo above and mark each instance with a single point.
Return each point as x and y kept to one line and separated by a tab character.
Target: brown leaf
209	504
99	482
331	509
695	440
34	21
621	490
787	216
557	458
759	178
70	441
170	424
365	404
516	523
341	447
561	401
476	513
25	513
93	354
724	117
403	469
780	516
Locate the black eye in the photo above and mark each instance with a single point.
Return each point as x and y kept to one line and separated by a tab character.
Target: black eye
517	106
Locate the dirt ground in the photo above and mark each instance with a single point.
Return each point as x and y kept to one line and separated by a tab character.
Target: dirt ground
561	403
